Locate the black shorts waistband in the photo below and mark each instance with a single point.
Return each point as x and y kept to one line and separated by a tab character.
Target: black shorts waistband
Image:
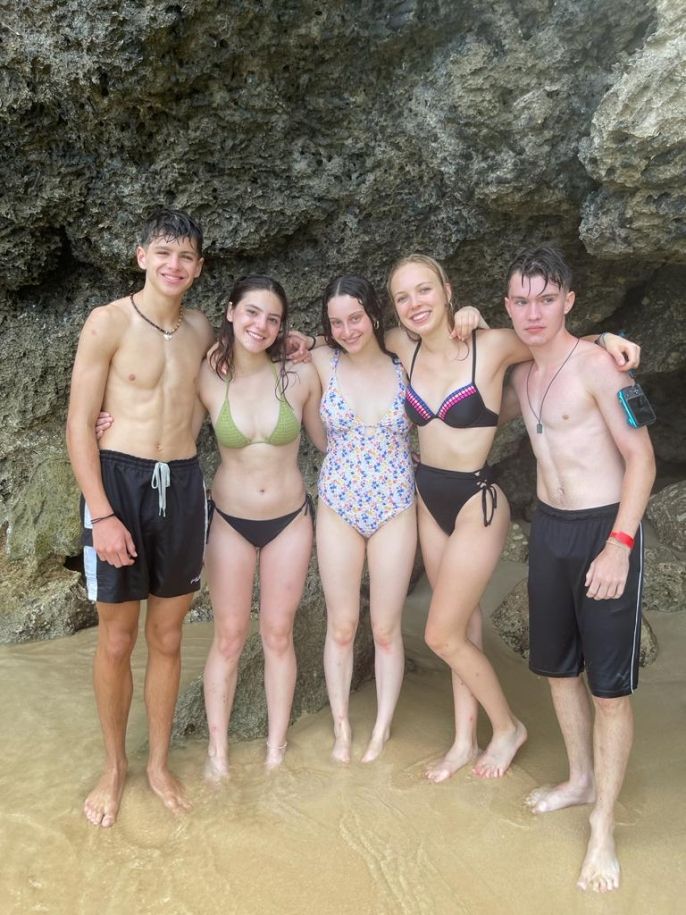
119	457
578	514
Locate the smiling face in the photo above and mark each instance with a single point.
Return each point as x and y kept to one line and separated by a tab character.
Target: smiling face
420	297
256	317
537	308
351	326
171	265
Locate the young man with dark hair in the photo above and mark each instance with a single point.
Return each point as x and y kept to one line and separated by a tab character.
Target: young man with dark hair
144	501
595	473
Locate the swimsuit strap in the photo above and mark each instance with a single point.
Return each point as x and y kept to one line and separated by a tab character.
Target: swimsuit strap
473	357
414	357
287	427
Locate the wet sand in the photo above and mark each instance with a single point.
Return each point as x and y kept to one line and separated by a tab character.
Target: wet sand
324	839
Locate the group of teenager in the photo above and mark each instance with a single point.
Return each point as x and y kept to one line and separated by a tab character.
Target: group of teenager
357	389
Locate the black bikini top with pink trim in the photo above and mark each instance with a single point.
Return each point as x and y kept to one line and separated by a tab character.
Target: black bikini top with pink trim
463	408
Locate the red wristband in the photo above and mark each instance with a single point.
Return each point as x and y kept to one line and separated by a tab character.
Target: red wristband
626	539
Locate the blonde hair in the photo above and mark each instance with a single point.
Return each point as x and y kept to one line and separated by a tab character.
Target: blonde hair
435	267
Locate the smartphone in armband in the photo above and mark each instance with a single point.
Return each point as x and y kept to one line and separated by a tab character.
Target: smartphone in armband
636	405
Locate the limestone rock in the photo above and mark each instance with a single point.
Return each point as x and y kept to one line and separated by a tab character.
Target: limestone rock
664	583
667	512
516	547
41	603
636	151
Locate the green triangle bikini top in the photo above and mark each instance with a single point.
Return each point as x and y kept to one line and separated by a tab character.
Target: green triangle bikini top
286	430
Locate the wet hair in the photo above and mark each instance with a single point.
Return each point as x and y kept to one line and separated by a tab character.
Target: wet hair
171	225
436	268
221	359
544	261
358	287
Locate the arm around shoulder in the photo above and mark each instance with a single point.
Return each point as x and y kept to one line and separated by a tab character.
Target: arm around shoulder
311	419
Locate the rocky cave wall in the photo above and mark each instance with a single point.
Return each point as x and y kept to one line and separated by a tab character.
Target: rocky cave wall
311	138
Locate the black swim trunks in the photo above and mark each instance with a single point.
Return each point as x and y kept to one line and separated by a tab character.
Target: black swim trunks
569	631
164	508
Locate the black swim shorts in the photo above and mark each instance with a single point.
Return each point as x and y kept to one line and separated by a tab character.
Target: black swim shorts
164	508
568	631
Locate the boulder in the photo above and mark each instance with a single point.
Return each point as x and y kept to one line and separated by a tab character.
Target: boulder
667	512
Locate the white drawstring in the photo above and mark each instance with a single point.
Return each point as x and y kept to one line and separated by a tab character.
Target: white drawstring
160	481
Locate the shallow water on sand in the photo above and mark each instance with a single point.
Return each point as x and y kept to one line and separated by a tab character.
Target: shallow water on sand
319	838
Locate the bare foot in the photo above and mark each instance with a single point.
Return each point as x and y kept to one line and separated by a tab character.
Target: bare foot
168	789
375	746
102	804
216	769
555	797
600	870
495	760
454	759
342	743
275	756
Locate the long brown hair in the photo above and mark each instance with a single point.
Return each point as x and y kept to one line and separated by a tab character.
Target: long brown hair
221	358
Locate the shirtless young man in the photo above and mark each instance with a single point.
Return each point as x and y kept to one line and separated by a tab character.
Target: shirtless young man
144	514
595	473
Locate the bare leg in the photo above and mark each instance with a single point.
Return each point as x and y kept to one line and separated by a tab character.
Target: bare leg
230	561
163	634
113	684
283	569
340	554
470	557
613	734
573	710
390	555
464	748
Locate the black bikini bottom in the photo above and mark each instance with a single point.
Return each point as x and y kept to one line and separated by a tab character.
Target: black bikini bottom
444	492
260	533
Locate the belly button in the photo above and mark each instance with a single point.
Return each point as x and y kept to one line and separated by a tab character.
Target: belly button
261	491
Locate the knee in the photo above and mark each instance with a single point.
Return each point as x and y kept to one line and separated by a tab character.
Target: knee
163	640
277	640
610	708
343	634
385	637
229	643
440	640
117	644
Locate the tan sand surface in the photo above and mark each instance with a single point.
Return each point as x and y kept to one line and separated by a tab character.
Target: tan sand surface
319	838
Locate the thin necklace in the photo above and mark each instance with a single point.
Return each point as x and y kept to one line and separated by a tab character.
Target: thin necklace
539	424
167	334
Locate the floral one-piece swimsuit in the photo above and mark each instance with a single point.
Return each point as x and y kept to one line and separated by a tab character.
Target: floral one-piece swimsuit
367	476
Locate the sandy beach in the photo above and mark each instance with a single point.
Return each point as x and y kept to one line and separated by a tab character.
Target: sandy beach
320	838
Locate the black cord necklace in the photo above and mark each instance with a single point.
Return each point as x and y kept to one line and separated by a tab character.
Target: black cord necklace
539	423
167	334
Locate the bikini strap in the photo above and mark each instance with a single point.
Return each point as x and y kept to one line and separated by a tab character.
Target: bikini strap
473	356
414	357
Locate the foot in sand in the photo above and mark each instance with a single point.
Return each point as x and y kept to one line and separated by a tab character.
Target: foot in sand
168	789
216	769
600	870
342	743
456	757
102	804
556	797
376	745
275	756
495	760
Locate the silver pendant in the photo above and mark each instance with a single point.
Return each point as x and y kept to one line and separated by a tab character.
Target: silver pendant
539	428
166	336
